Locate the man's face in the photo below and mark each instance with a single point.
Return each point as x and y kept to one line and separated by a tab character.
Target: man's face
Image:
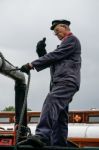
60	31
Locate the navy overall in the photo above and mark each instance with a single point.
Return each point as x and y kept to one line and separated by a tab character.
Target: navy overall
64	63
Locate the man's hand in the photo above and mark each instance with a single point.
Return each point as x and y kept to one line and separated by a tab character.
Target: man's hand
40	48
26	68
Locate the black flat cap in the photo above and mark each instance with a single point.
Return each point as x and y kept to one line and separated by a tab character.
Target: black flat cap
56	22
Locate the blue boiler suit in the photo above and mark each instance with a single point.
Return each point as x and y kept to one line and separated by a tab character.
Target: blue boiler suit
65	64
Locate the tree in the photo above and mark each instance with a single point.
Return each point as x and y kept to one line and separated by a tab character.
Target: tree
9	108
12	108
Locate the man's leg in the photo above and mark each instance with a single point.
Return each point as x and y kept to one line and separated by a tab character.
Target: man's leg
44	127
63	95
60	129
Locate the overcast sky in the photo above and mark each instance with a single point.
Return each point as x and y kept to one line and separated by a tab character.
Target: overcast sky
24	22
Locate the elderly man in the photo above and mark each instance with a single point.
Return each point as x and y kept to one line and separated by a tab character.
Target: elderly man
65	64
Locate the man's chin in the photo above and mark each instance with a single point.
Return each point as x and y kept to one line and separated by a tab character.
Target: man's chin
60	38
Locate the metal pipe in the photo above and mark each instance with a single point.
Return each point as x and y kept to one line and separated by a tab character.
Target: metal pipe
7	69
15	74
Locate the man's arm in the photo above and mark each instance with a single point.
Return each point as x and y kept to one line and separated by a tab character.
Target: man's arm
62	52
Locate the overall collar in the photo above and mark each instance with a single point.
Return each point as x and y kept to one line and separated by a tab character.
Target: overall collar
69	34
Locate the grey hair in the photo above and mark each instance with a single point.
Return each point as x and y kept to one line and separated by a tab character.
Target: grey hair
66	26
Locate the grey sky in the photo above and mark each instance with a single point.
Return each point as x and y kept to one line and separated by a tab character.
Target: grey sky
24	22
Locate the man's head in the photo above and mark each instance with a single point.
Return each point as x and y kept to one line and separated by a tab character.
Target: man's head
60	28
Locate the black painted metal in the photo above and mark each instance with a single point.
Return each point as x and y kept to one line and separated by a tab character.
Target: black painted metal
7	69
25	147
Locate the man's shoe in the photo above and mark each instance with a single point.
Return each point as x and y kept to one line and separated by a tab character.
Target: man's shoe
34	141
